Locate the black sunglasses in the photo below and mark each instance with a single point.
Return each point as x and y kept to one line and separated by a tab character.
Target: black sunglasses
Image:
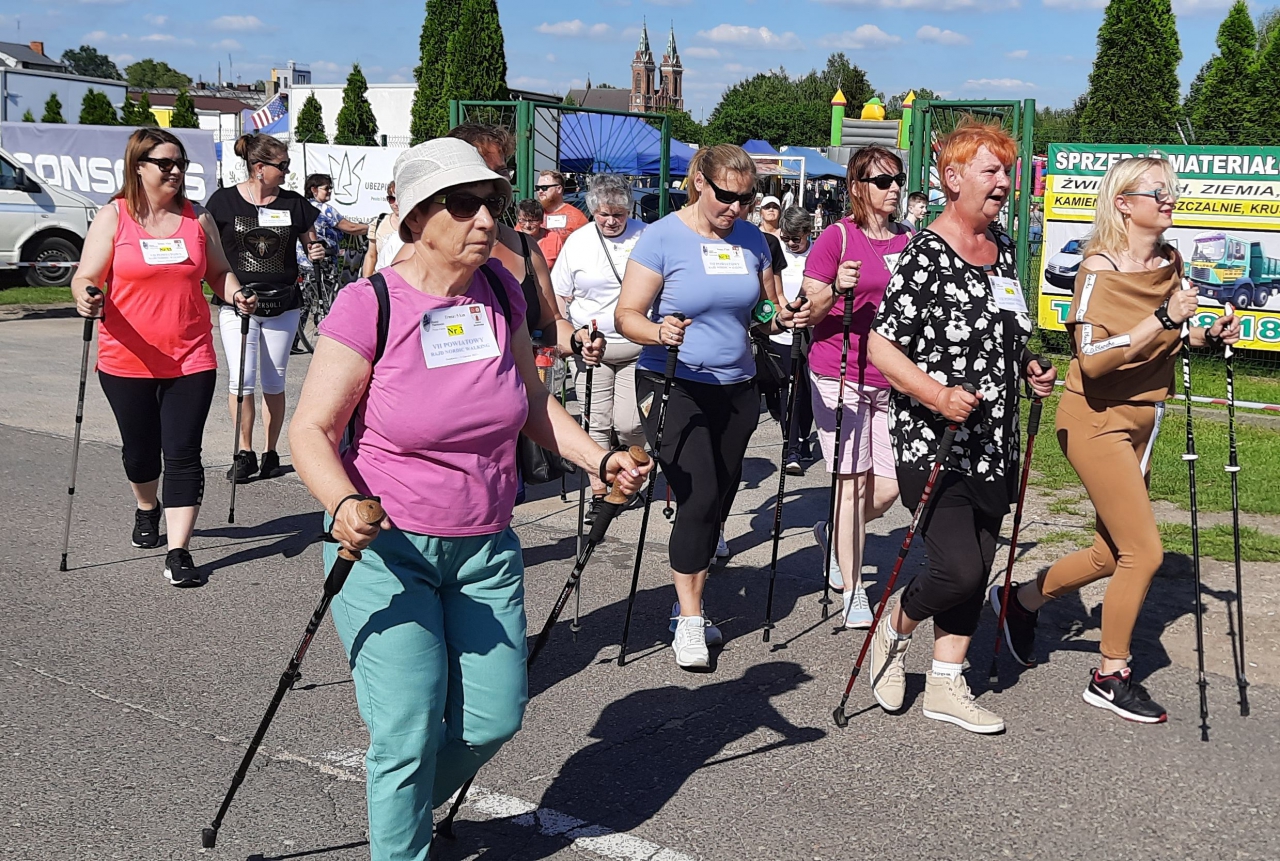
728	197
283	166
391	198
167	164
547	187
463	205
793	240
884	180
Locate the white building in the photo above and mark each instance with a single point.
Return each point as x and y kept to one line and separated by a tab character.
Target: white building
392	107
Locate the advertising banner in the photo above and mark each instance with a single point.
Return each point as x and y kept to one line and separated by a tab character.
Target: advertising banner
1226	225
89	160
360	174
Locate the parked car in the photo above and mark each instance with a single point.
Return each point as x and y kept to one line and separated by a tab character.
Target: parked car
40	223
1061	269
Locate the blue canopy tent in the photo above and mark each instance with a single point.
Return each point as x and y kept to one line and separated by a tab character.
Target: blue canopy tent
816	165
612	143
759	148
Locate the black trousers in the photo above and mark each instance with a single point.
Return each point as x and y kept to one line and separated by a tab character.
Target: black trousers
777	404
166	417
707	430
960	542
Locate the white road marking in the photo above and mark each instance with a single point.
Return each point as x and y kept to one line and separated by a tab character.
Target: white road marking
349	765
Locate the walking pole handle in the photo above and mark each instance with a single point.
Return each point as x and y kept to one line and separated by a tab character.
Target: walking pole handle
88	321
641	457
244	318
673	351
1037	403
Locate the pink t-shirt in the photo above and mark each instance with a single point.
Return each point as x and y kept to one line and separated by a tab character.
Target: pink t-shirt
823	261
437	444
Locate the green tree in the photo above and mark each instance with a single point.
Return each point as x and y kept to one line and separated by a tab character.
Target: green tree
356	123
570	101
52	110
1266	26
476	67
150	74
1222	109
184	112
310	126
430	113
1057	125
143	111
96	110
28	117
683	127
775	107
841	75
1195	95
129	111
1263	118
893	107
91	63
1137	42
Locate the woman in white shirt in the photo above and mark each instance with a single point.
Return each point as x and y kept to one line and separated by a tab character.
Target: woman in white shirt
587	279
384	240
795	228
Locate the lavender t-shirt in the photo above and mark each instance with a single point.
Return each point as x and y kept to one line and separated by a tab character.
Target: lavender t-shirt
438	445
873	278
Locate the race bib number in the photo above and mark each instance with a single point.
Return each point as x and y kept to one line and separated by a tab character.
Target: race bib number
455	336
557	222
1008	294
723	260
158	252
274	217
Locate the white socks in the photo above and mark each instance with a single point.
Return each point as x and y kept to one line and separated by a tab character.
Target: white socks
893	632
942	668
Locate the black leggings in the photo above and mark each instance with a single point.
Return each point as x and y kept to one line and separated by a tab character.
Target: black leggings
707	430
803	424
960	541
163	415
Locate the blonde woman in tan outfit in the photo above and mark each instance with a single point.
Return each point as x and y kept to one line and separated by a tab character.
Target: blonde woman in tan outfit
1126	325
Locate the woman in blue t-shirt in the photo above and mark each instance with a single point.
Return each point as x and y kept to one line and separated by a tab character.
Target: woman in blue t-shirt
705	263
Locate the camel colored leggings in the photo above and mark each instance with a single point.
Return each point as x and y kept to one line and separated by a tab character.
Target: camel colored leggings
1109	446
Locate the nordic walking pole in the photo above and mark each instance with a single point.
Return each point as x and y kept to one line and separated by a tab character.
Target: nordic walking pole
944	453
75	441
1233	469
235	448
797	347
1190	457
669	376
846	324
1033	428
370	511
564	398
582	485
609	508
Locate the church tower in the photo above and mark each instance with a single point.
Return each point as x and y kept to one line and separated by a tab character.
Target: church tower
671	92
642	73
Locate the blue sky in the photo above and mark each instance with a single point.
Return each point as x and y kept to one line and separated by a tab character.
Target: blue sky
963	48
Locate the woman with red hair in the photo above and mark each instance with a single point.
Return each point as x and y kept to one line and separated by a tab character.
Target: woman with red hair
954	315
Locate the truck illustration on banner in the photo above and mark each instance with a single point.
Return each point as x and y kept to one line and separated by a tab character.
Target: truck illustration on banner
1233	269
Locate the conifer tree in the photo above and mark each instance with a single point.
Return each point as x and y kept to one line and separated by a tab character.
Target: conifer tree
1137	42
476	68
310	126
28	117
1222	112
1263	119
143	111
430	116
184	112
356	123
52	110
96	109
129	111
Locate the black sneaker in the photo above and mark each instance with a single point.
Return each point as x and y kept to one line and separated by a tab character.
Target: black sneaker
245	465
146	528
792	461
270	465
181	569
592	509
1122	695
1019	626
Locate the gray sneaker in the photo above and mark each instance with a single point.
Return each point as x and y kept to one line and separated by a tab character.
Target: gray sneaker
888	665
949	699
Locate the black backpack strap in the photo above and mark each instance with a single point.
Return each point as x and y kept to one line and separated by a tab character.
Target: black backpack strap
499	293
384	314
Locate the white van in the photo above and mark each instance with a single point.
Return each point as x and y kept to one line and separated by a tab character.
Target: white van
40	223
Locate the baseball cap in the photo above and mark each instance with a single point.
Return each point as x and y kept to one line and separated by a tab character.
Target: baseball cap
423	171
770	199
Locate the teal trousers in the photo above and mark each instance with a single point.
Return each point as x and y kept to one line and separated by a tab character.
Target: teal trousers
434	630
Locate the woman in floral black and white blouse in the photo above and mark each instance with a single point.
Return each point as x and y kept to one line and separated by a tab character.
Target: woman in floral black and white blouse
948	318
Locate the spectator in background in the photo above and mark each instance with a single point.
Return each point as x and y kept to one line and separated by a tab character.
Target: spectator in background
917	206
559	218
529	215
330	225
795	229
770	215
385	243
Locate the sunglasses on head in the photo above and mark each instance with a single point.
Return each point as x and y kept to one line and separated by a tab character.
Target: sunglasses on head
167	164
884	180
463	205
730	197
547	187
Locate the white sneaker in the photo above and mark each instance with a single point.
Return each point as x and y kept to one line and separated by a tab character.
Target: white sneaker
690	643
722	549
835	578
713	635
857	609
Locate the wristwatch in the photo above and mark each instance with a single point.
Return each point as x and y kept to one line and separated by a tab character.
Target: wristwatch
1162	314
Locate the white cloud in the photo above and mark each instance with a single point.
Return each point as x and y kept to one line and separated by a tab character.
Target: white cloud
751	37
866	36
1075	4
551	58
164	39
123	60
1020	54
156	20
938	5
227	45
702	53
735	68
240	24
574	29
930	33
998	84
524	82
325	66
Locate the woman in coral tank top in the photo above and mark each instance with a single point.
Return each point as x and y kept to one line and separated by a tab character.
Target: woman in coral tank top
150	248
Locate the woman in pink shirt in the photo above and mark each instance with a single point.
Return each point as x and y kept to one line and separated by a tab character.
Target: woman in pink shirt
433	616
855	254
151	247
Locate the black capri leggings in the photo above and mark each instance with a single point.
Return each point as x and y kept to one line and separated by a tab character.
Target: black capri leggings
707	430
960	542
777	404
166	416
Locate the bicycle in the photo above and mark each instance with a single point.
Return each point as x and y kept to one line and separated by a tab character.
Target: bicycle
319	286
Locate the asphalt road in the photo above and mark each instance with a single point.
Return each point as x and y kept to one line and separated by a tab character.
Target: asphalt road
127	702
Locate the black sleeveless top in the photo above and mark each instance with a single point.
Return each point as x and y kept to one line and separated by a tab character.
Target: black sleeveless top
530	287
